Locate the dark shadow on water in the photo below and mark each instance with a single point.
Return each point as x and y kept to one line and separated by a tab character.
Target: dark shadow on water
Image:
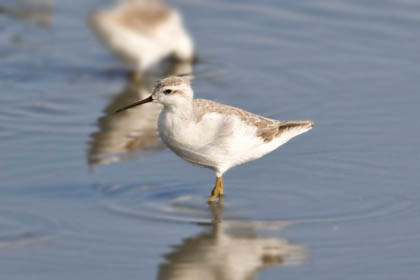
39	12
227	250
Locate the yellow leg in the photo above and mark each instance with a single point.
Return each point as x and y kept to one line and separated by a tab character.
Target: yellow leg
217	190
136	77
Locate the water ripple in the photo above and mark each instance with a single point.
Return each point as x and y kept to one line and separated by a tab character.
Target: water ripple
176	203
21	229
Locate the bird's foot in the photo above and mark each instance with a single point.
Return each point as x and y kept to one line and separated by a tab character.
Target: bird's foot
217	191
214	196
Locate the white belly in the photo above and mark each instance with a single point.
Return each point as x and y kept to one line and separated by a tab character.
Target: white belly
217	142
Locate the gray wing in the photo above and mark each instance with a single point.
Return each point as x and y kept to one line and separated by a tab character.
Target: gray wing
267	129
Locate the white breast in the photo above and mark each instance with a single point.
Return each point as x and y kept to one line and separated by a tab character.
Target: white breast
217	141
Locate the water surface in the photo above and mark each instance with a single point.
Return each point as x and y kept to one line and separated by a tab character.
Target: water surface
85	194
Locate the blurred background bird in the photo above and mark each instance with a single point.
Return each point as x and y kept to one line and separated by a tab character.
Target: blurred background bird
142	33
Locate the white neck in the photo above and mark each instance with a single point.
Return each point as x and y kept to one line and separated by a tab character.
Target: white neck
182	108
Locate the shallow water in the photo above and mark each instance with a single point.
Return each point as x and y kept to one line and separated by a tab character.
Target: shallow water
85	194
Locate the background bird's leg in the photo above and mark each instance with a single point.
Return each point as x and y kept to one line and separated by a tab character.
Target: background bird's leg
136	77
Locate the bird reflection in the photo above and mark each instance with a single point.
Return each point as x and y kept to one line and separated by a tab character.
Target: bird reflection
143	32
228	251
120	135
38	11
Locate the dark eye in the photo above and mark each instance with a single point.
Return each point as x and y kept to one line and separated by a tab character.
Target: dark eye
167	91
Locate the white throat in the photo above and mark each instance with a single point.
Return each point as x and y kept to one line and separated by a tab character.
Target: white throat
182	107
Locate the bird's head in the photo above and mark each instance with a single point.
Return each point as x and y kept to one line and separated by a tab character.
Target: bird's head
170	91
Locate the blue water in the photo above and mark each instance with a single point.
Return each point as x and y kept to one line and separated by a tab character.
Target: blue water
89	195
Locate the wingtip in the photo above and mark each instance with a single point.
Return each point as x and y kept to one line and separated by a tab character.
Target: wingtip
311	124
307	123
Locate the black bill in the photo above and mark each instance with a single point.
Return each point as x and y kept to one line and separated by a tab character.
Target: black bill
147	100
